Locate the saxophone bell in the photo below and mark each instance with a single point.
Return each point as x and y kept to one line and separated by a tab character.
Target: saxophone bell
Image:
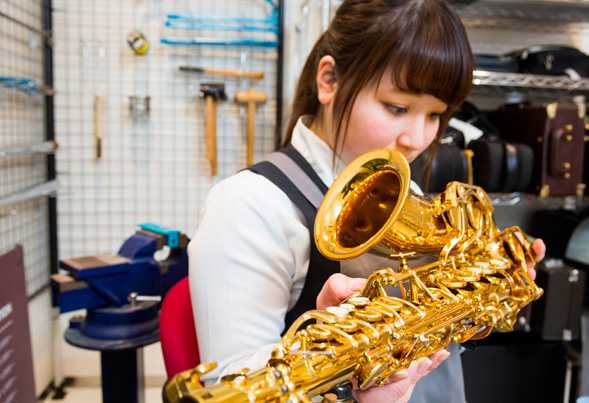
371	208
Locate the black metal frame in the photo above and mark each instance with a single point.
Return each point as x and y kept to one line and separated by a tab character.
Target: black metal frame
279	73
50	132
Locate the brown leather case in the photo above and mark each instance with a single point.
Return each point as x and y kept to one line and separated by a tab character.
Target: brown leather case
556	135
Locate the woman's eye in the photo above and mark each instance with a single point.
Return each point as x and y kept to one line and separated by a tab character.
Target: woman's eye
436	116
396	110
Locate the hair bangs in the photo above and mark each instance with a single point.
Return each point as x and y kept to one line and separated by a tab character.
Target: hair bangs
433	62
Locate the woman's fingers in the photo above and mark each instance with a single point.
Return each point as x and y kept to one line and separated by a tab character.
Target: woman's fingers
532	274
437	358
539	249
337	288
399	386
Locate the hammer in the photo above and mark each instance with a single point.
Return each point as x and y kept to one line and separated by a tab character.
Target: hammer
236	73
251	97
212	93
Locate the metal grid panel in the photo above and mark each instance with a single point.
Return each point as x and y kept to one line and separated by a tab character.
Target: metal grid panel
153	169
22	129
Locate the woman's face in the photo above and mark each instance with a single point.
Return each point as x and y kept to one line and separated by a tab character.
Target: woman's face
387	117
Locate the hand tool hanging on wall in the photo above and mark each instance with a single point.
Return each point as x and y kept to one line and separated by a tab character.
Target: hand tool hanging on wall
236	73
138	42
219	42
98	112
251	98
139	107
212	93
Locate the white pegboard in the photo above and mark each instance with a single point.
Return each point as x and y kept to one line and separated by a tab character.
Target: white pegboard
153	169
22	126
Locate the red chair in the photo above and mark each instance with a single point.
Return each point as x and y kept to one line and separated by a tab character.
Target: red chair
177	332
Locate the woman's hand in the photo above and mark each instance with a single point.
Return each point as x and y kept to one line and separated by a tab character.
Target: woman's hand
539	251
337	288
399	386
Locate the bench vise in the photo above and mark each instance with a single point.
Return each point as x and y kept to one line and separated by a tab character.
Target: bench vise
122	292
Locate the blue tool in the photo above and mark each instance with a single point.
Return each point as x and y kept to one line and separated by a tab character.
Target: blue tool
23	84
228	23
121	294
220	41
194	25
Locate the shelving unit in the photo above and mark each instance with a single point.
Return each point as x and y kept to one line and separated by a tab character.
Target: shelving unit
27	145
492	82
498	27
564	16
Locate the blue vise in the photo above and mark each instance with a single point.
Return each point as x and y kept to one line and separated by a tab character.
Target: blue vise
122	292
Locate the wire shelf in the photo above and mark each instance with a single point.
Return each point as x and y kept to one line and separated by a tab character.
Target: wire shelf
570	17
529	83
24	216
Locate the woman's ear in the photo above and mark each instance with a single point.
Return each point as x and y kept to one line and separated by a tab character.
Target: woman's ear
326	83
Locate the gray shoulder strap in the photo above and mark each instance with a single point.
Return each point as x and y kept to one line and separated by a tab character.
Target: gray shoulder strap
296	174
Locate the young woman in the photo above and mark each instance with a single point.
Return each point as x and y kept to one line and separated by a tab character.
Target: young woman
387	73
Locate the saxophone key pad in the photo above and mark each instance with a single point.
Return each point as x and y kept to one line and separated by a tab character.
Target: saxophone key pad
359	302
337	310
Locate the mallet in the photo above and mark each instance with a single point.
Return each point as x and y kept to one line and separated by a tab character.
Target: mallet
251	97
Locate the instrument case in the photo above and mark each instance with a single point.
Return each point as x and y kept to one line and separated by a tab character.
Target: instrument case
556	135
557	314
552	60
497	63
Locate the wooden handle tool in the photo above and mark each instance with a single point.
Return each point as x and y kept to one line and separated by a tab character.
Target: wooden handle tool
211	133
254	74
98	113
212	93
251	98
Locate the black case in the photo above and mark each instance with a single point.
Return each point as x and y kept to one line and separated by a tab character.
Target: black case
449	164
557	314
497	63
552	60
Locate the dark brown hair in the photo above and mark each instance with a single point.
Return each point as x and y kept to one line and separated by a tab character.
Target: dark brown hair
423	42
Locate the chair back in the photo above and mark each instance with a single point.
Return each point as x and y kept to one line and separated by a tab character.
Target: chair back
177	331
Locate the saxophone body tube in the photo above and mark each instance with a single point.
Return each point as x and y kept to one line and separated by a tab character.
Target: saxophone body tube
366	337
479	283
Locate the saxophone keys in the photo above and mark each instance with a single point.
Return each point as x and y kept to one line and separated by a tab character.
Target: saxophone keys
337	310
496	280
485	267
319	333
347	326
369	375
478	271
359	302
465	276
366	316
454	283
500	264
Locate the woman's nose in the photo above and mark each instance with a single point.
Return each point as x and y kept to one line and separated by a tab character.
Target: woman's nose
413	137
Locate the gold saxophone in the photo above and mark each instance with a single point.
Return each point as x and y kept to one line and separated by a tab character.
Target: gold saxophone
479	282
